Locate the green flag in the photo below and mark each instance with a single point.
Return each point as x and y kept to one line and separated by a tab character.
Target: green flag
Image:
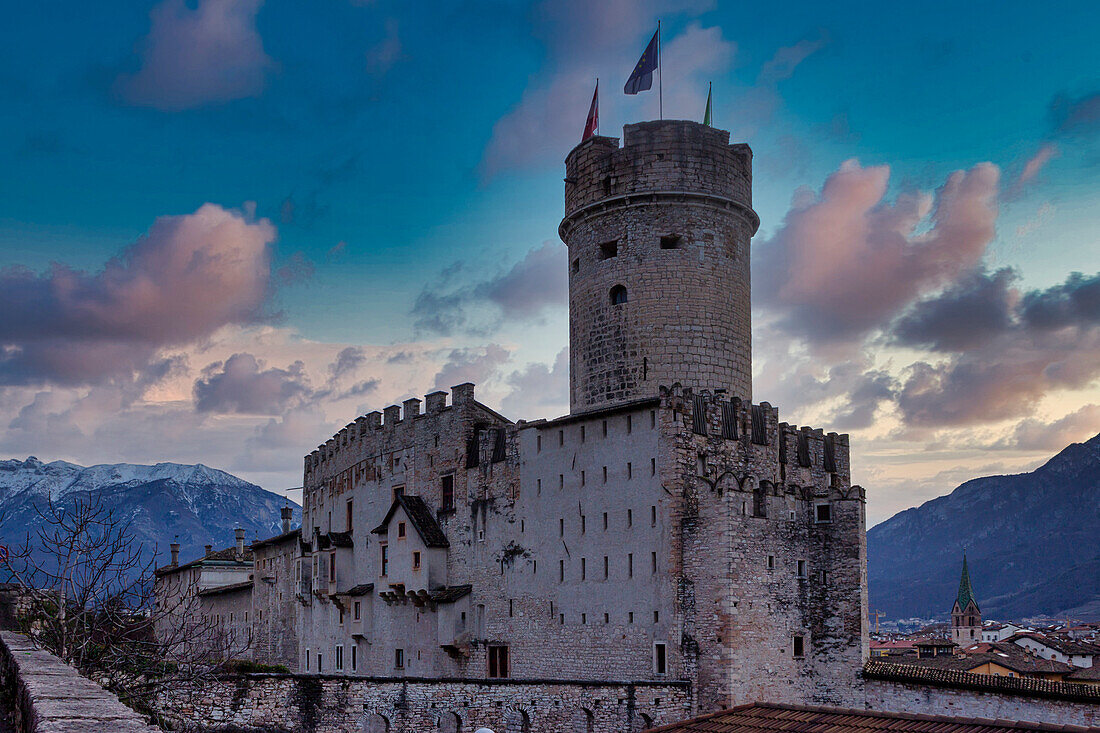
706	115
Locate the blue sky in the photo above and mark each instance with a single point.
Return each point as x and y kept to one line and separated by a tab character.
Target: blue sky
407	159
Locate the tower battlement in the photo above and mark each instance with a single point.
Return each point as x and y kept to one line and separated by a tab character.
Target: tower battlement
661	156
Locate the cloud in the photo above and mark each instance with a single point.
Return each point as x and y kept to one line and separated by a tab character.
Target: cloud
188	276
477	365
242	385
1075	116
588	40
384	54
536	283
1034	434
1037	162
347	361
1052	342
846	261
1076	302
195	56
539	390
973	310
782	65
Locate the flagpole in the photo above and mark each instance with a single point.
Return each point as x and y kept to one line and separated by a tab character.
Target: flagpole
660	75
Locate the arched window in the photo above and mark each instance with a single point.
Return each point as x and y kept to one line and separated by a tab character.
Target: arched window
450	723
375	723
618	295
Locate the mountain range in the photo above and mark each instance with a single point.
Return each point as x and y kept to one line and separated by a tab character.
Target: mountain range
1032	542
169	502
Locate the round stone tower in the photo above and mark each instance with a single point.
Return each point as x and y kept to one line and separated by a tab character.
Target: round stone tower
658	233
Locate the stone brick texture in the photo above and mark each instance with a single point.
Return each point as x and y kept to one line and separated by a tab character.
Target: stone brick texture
284	703
686	316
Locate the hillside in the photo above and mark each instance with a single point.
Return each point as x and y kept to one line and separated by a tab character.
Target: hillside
193	505
1033	541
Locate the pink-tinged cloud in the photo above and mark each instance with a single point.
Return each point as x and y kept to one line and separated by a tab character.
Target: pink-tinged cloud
188	276
195	56
847	261
241	384
1037	162
1035	434
786	59
589	40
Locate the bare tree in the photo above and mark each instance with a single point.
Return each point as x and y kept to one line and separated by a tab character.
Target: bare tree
88	594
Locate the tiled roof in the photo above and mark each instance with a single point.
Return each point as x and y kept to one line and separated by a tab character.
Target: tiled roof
451	593
229	554
284	537
219	589
1023	686
1006	655
1083	674
766	718
1066	646
359	590
341	539
420	516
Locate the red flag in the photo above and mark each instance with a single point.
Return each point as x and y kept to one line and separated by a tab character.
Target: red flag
593	122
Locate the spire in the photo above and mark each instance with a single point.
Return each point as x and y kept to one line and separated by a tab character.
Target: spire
966	592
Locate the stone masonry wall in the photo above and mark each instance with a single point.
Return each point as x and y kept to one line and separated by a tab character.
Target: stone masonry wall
912	697
329	704
48	696
668	217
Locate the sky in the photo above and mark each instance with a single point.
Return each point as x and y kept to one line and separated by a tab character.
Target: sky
228	227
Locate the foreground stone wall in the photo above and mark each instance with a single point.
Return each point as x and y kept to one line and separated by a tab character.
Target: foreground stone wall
48	696
909	689
275	703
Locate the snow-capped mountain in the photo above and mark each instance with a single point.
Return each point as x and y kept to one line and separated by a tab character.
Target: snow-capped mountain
169	502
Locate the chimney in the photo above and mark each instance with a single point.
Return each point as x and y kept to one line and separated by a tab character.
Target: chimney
287	514
175	548
239	532
209	549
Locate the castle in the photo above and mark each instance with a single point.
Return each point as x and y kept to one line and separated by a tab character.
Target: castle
667	531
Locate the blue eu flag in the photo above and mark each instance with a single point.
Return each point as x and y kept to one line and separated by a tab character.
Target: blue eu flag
641	79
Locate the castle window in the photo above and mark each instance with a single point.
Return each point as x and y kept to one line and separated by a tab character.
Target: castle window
447	492
357	610
561	480
629	517
582	433
605	474
656	617
801	568
561	571
582	477
416	560
653	557
561	619
609	249
618	295
652	466
630	573
799	646
670	241
538	444
607	186
584	569
760	502
605	428
605	567
498	662
400	530
584	524
659	660
823	513
349	515
629	470
629	424
653	516
824	578
584	618
339	657
561	527
630	617
320	662
385	559
561	437
576	265
605	521
771	562
398	658
353	647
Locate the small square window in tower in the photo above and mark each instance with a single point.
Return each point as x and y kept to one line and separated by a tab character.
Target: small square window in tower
670	241
498	662
609	249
